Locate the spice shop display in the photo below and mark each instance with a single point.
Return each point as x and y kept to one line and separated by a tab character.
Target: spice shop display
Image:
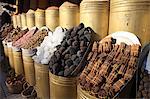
11	34
68	62
28	63
110	66
8	40
42	58
25	37
17	35
48	46
14	54
36	39
5	29
71	51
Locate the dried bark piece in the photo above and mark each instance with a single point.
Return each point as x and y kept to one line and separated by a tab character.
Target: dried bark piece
94	56
87	70
122	70
90	56
117	86
135	48
120	49
132	62
94	71
100	48
112	76
95	47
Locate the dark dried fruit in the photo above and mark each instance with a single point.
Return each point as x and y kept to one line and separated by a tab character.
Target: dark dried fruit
76	38
80	54
62	62
69	62
67	72
83	49
73	57
76	62
82	43
88	36
62	49
75	43
67	56
64	44
72	50
81	32
69	42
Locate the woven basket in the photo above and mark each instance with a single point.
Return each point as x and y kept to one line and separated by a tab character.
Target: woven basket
15	89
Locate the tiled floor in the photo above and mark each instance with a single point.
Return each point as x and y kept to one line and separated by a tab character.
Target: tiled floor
3	89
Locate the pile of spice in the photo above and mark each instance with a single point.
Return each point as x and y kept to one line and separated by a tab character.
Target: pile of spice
25	37
68	55
48	46
9	37
36	39
110	67
17	35
5	29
